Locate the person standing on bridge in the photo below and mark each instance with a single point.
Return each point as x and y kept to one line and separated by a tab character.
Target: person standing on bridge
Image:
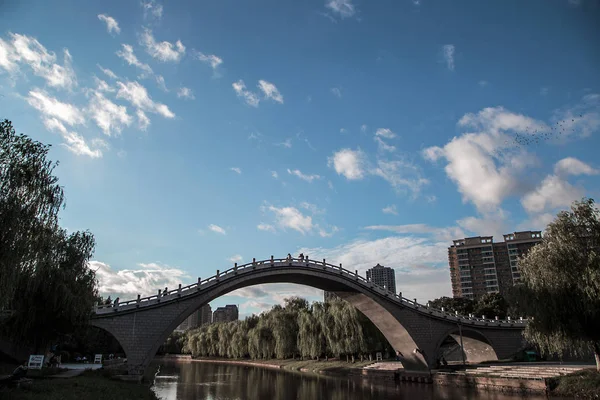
301	256
289	257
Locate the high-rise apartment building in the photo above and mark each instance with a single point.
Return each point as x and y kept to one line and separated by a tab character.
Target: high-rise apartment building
204	315
201	316
226	314
383	276
479	266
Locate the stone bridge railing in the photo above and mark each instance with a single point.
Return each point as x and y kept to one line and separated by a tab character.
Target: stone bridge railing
190	290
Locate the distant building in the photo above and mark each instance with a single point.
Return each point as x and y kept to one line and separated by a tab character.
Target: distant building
204	315
383	276
226	314
479	266
198	318
328	296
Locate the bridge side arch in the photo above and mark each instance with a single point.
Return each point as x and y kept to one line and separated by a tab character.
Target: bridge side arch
476	345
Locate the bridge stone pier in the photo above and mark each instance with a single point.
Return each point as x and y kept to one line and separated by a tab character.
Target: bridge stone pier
415	330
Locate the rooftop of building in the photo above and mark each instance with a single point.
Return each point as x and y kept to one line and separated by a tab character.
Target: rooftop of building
522	236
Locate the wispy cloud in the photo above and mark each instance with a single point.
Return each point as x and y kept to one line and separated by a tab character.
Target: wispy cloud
73	141
217	229
265	227
274	174
299	174
23	50
152	9
236	170
448	50
286	143
111	24
336	92
109	117
185	93
249	97
390	210
126	53
51	107
236	258
341	8
162	51
270	91
349	163
138	96
107	72
210	59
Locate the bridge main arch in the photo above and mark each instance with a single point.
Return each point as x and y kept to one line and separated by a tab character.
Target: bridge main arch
142	325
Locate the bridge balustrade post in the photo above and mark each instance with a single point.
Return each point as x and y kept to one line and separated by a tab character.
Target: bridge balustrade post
341	270
356	274
508	318
483	317
400	295
415	301
218	274
272	260
139	299
235	268
497	318
253	263
158	297
179	290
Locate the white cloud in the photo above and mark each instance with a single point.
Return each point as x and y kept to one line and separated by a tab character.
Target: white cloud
108	72
487	166
236	258
552	193
482	83
286	143
102	86
51	107
270	91
73	141
160	80
28	51
111	23
236	170
126	53
324	233
217	229
162	51
249	97
265	227
128	283
363	128
109	116
152	9
292	218
580	120
336	92
385	133
138	96
420	264
343	8
185	93
400	174
573	166
438	234
211	59
274	174
390	210
312	208
349	163
383	146
299	174
343	130
143	120
448	50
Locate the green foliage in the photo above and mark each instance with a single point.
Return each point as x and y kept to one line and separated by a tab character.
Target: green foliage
44	275
560	285
491	305
334	328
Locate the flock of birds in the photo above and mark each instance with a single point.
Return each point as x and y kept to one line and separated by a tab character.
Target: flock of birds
537	136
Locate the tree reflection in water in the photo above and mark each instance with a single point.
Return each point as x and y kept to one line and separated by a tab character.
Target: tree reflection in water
214	381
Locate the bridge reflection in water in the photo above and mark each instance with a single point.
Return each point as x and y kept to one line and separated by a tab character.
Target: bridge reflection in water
417	331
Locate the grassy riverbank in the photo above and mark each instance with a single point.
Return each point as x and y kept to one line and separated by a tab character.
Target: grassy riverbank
583	385
91	385
336	366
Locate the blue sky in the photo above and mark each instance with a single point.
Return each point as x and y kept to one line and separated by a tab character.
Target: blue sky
194	134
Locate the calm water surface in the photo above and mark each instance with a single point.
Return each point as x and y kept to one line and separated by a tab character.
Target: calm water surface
206	381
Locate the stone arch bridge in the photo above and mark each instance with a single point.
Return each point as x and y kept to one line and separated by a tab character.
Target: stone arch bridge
416	330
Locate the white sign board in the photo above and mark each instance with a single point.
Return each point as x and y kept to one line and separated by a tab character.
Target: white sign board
35	362
98	359
378	356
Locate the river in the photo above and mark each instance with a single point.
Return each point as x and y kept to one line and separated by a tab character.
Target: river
214	381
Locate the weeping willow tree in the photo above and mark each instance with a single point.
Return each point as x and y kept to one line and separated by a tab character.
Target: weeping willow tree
44	276
561	284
